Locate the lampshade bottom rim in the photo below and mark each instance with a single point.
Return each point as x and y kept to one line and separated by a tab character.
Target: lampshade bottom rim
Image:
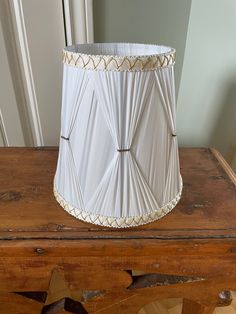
117	222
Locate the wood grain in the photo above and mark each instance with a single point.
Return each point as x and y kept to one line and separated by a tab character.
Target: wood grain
189	253
206	209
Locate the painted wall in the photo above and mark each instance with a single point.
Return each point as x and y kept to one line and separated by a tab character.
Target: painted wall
150	21
203	32
207	94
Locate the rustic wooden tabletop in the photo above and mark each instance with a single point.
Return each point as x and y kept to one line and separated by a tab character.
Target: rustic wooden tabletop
28	207
188	253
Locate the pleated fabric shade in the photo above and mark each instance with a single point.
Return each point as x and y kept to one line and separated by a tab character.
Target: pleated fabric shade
118	162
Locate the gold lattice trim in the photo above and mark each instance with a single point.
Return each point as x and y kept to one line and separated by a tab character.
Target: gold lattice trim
117	63
115	222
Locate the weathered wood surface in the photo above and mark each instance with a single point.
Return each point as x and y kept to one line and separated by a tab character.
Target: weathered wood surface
28	207
16	304
189	253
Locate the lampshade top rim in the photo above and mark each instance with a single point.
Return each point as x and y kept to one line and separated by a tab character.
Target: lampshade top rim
119	56
120	50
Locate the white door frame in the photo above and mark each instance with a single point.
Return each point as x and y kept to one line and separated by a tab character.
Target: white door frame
3	131
26	71
78	17
78	24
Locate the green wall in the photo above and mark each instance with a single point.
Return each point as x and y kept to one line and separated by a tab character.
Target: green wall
207	94
203	33
147	21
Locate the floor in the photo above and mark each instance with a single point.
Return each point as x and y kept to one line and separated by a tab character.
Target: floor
20	305
174	306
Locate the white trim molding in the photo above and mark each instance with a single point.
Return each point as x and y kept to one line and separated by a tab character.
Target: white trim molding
3	131
26	70
89	20
78	20
67	22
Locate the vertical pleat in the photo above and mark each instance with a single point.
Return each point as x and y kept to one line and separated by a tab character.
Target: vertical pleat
67	180
123	98
165	86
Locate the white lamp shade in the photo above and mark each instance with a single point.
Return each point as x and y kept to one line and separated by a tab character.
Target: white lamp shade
118	161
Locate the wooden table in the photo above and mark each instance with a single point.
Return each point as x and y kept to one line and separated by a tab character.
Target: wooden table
190	253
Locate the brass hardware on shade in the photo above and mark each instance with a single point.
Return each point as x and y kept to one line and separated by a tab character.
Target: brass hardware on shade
65	138
123	150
